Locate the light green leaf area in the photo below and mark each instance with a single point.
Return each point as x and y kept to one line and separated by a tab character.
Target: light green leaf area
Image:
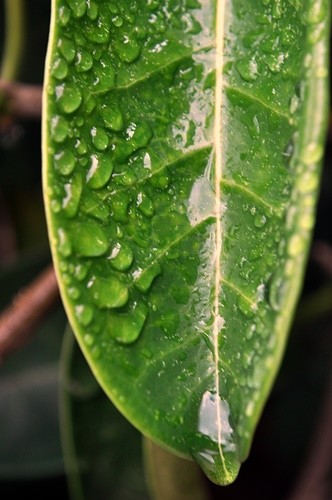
182	141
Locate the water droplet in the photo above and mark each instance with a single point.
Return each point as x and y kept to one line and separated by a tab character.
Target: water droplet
117	21
201	203
126	327
88	339
100	171
146	353
59	128
248	69
64	162
99	31
145	204
121	256
89	239
143	279
99	138
81	147
220	431
127	48
245	307
84	314
104	76
80	272
276	290
64	15
59	69
78	7
67	49
73	190
73	293
93	10
260	221
68	98
64	246
112	117
296	245
84	61
108	293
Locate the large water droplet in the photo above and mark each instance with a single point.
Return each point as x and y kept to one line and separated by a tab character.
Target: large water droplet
89	239
218	429
59	69
127	48
69	98
67	49
84	61
59	128
121	256
64	15
248	69
112	117
73	190
78	7
100	171
99	31
64	162
108	293
99	138
126	327
64	245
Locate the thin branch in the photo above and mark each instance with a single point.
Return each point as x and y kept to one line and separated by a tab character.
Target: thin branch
21	100
26	312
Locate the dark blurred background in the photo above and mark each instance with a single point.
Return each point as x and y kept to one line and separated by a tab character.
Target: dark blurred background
30	454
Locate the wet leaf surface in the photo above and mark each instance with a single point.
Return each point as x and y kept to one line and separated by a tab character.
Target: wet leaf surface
182	143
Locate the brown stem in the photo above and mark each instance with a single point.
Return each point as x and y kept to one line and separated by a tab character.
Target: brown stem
21	100
27	310
322	254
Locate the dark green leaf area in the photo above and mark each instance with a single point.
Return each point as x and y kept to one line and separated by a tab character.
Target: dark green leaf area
180	188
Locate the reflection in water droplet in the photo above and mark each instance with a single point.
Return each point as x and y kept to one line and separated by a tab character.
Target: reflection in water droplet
213	407
126	327
201	203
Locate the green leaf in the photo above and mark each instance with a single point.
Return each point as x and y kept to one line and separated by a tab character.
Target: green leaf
104	460
182	143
